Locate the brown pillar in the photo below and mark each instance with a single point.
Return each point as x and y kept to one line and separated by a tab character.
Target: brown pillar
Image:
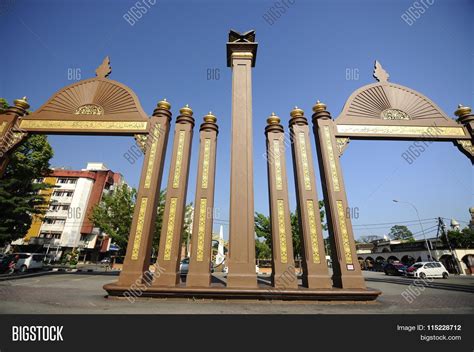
315	269
283	265
346	268
467	119
173	216
7	124
241	55
199	267
137	258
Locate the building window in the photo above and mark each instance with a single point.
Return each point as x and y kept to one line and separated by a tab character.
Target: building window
65	207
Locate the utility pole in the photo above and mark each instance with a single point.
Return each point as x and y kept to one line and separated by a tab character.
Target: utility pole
453	254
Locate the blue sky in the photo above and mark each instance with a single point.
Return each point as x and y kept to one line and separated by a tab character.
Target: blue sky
303	56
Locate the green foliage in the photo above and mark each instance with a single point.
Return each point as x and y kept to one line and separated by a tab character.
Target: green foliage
114	214
400	232
460	239
3	104
19	195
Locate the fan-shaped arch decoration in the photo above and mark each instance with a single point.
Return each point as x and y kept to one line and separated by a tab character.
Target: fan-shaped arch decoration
389	101
95	105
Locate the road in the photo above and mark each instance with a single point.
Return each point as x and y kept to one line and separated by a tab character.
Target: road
79	293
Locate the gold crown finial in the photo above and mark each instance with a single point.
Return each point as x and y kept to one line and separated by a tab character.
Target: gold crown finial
296	112
21	103
318	107
462	110
210	118
186	110
273	119
163	104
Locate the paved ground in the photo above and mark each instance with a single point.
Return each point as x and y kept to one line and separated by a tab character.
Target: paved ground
78	293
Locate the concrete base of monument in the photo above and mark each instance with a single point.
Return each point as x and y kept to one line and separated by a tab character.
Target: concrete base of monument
260	293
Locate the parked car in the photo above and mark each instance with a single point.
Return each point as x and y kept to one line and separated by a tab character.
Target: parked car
427	269
28	261
106	261
184	266
395	269
7	262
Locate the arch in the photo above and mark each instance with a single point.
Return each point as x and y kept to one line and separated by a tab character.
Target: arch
468	259
449	263
407	260
93	106
392	258
388	101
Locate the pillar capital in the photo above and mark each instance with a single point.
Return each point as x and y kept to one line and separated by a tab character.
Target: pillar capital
320	112
209	123
19	108
273	124
297	117
241	46
163	108
464	114
185	115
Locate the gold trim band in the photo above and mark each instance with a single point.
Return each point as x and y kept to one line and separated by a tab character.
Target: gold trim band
304	161
170	229
151	160
344	234
202	229
83	125
139	231
179	159
205	163
331	158
422	131
276	158
282	231
313	231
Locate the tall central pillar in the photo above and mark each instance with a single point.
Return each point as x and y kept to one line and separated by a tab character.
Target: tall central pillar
241	55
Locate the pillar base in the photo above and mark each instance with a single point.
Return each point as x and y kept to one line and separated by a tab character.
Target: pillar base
129	278
198	280
349	281
166	279
242	280
283	282
317	281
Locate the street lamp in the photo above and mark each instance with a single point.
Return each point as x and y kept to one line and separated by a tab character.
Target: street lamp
419	220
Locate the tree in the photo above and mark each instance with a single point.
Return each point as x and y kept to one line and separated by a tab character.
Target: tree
400	232
20	197
460	239
114	213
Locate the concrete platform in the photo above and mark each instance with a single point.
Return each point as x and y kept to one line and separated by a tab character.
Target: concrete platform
261	293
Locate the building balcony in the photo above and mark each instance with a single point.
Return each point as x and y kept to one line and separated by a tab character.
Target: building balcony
52	227
44	241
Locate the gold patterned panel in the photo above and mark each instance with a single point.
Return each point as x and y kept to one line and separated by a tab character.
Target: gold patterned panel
466	145
83	125
179	159
89	109
282	230
277	159
304	161
151	160
331	158
205	163
139	231
170	229
341	143
202	229
3	125
427	131
345	235
312	231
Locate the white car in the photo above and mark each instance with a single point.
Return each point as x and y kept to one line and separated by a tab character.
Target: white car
28	261
427	269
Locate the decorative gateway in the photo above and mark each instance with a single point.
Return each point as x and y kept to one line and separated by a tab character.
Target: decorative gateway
382	110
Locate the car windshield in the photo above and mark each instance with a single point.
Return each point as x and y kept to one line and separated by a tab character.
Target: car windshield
399	266
417	265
